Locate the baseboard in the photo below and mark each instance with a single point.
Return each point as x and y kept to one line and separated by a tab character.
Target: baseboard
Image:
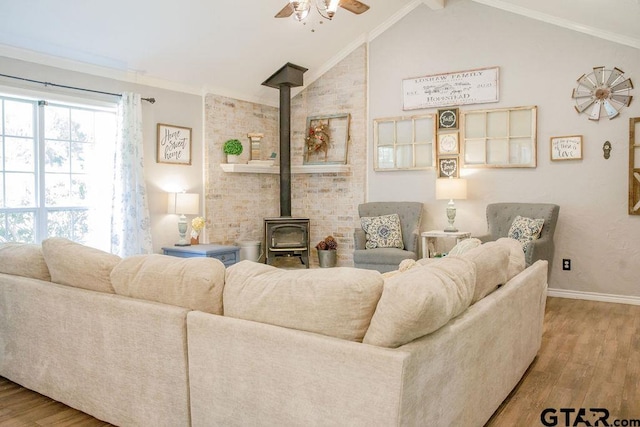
593	296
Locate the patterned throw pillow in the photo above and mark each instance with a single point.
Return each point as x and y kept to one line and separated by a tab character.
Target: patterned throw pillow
525	230
383	231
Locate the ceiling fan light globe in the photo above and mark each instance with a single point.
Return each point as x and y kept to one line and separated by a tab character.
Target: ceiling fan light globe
300	8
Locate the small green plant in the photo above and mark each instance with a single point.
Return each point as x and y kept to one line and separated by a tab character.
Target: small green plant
233	147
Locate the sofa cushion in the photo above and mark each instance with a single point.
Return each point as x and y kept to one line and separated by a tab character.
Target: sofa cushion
421	300
383	231
23	259
492	262
464	246
337	302
73	264
194	283
525	229
517	261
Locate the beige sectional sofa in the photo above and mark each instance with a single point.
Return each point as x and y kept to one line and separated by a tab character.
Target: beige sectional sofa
155	340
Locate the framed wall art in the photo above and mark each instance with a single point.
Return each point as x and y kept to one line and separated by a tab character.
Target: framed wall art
448	119
174	144
566	147
448	143
326	139
448	167
477	86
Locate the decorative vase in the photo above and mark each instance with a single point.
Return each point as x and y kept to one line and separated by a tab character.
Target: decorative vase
327	258
233	158
195	240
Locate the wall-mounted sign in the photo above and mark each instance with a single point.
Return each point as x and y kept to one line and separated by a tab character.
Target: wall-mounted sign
459	88
448	167
566	147
174	144
448	118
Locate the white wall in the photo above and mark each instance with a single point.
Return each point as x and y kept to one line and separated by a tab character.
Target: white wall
539	64
171	107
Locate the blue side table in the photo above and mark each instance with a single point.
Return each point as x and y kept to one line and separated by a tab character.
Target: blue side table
229	255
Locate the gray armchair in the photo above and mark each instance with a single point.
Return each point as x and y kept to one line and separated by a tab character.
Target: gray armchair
501	215
388	259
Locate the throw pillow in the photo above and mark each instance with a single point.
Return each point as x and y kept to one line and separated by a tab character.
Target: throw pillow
524	230
339	304
382	231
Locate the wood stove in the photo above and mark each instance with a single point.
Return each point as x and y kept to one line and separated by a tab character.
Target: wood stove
286	237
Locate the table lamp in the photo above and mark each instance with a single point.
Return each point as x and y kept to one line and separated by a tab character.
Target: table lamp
183	204
451	188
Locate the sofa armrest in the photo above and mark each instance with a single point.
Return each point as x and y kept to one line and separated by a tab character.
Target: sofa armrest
359	238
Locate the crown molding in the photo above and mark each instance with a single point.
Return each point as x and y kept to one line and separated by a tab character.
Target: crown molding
561	22
129	76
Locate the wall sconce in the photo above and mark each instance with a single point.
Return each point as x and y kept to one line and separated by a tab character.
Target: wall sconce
183	204
451	188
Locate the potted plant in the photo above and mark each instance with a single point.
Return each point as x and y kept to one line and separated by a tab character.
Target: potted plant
327	252
232	148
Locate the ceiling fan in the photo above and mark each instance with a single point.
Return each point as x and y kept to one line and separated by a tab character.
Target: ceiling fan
327	8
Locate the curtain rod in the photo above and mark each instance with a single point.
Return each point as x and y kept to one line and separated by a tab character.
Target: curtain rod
149	100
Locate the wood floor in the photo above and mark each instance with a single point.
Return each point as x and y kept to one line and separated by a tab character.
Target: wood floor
590	358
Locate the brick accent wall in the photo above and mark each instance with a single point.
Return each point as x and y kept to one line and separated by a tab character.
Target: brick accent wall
237	203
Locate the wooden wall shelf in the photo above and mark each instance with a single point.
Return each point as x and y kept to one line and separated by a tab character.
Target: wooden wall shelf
246	168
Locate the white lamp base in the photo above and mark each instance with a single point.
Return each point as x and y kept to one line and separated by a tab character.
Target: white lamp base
182	229
451	216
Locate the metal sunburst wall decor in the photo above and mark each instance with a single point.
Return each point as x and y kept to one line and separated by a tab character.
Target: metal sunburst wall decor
602	90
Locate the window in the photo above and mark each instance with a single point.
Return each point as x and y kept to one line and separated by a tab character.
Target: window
500	138
52	168
404	142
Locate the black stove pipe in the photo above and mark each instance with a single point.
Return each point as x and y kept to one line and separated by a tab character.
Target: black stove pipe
284	79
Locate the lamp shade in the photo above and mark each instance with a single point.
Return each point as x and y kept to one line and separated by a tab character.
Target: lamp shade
183	203
451	188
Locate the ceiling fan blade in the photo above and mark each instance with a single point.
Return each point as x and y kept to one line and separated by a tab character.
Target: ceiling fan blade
286	11
354	6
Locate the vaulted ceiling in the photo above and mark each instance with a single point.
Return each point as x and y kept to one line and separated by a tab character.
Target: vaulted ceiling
231	47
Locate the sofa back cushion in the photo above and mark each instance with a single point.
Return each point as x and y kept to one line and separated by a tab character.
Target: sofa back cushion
23	259
421	300
73	264
194	283
517	261
491	260
337	302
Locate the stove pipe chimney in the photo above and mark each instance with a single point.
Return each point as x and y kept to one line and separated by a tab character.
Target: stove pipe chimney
284	79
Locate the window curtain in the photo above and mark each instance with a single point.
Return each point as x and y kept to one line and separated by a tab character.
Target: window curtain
130	222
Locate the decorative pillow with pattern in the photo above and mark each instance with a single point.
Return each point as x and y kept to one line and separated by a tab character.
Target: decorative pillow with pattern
383	231
525	230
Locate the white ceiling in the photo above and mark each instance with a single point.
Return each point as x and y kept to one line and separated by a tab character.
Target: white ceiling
231	47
